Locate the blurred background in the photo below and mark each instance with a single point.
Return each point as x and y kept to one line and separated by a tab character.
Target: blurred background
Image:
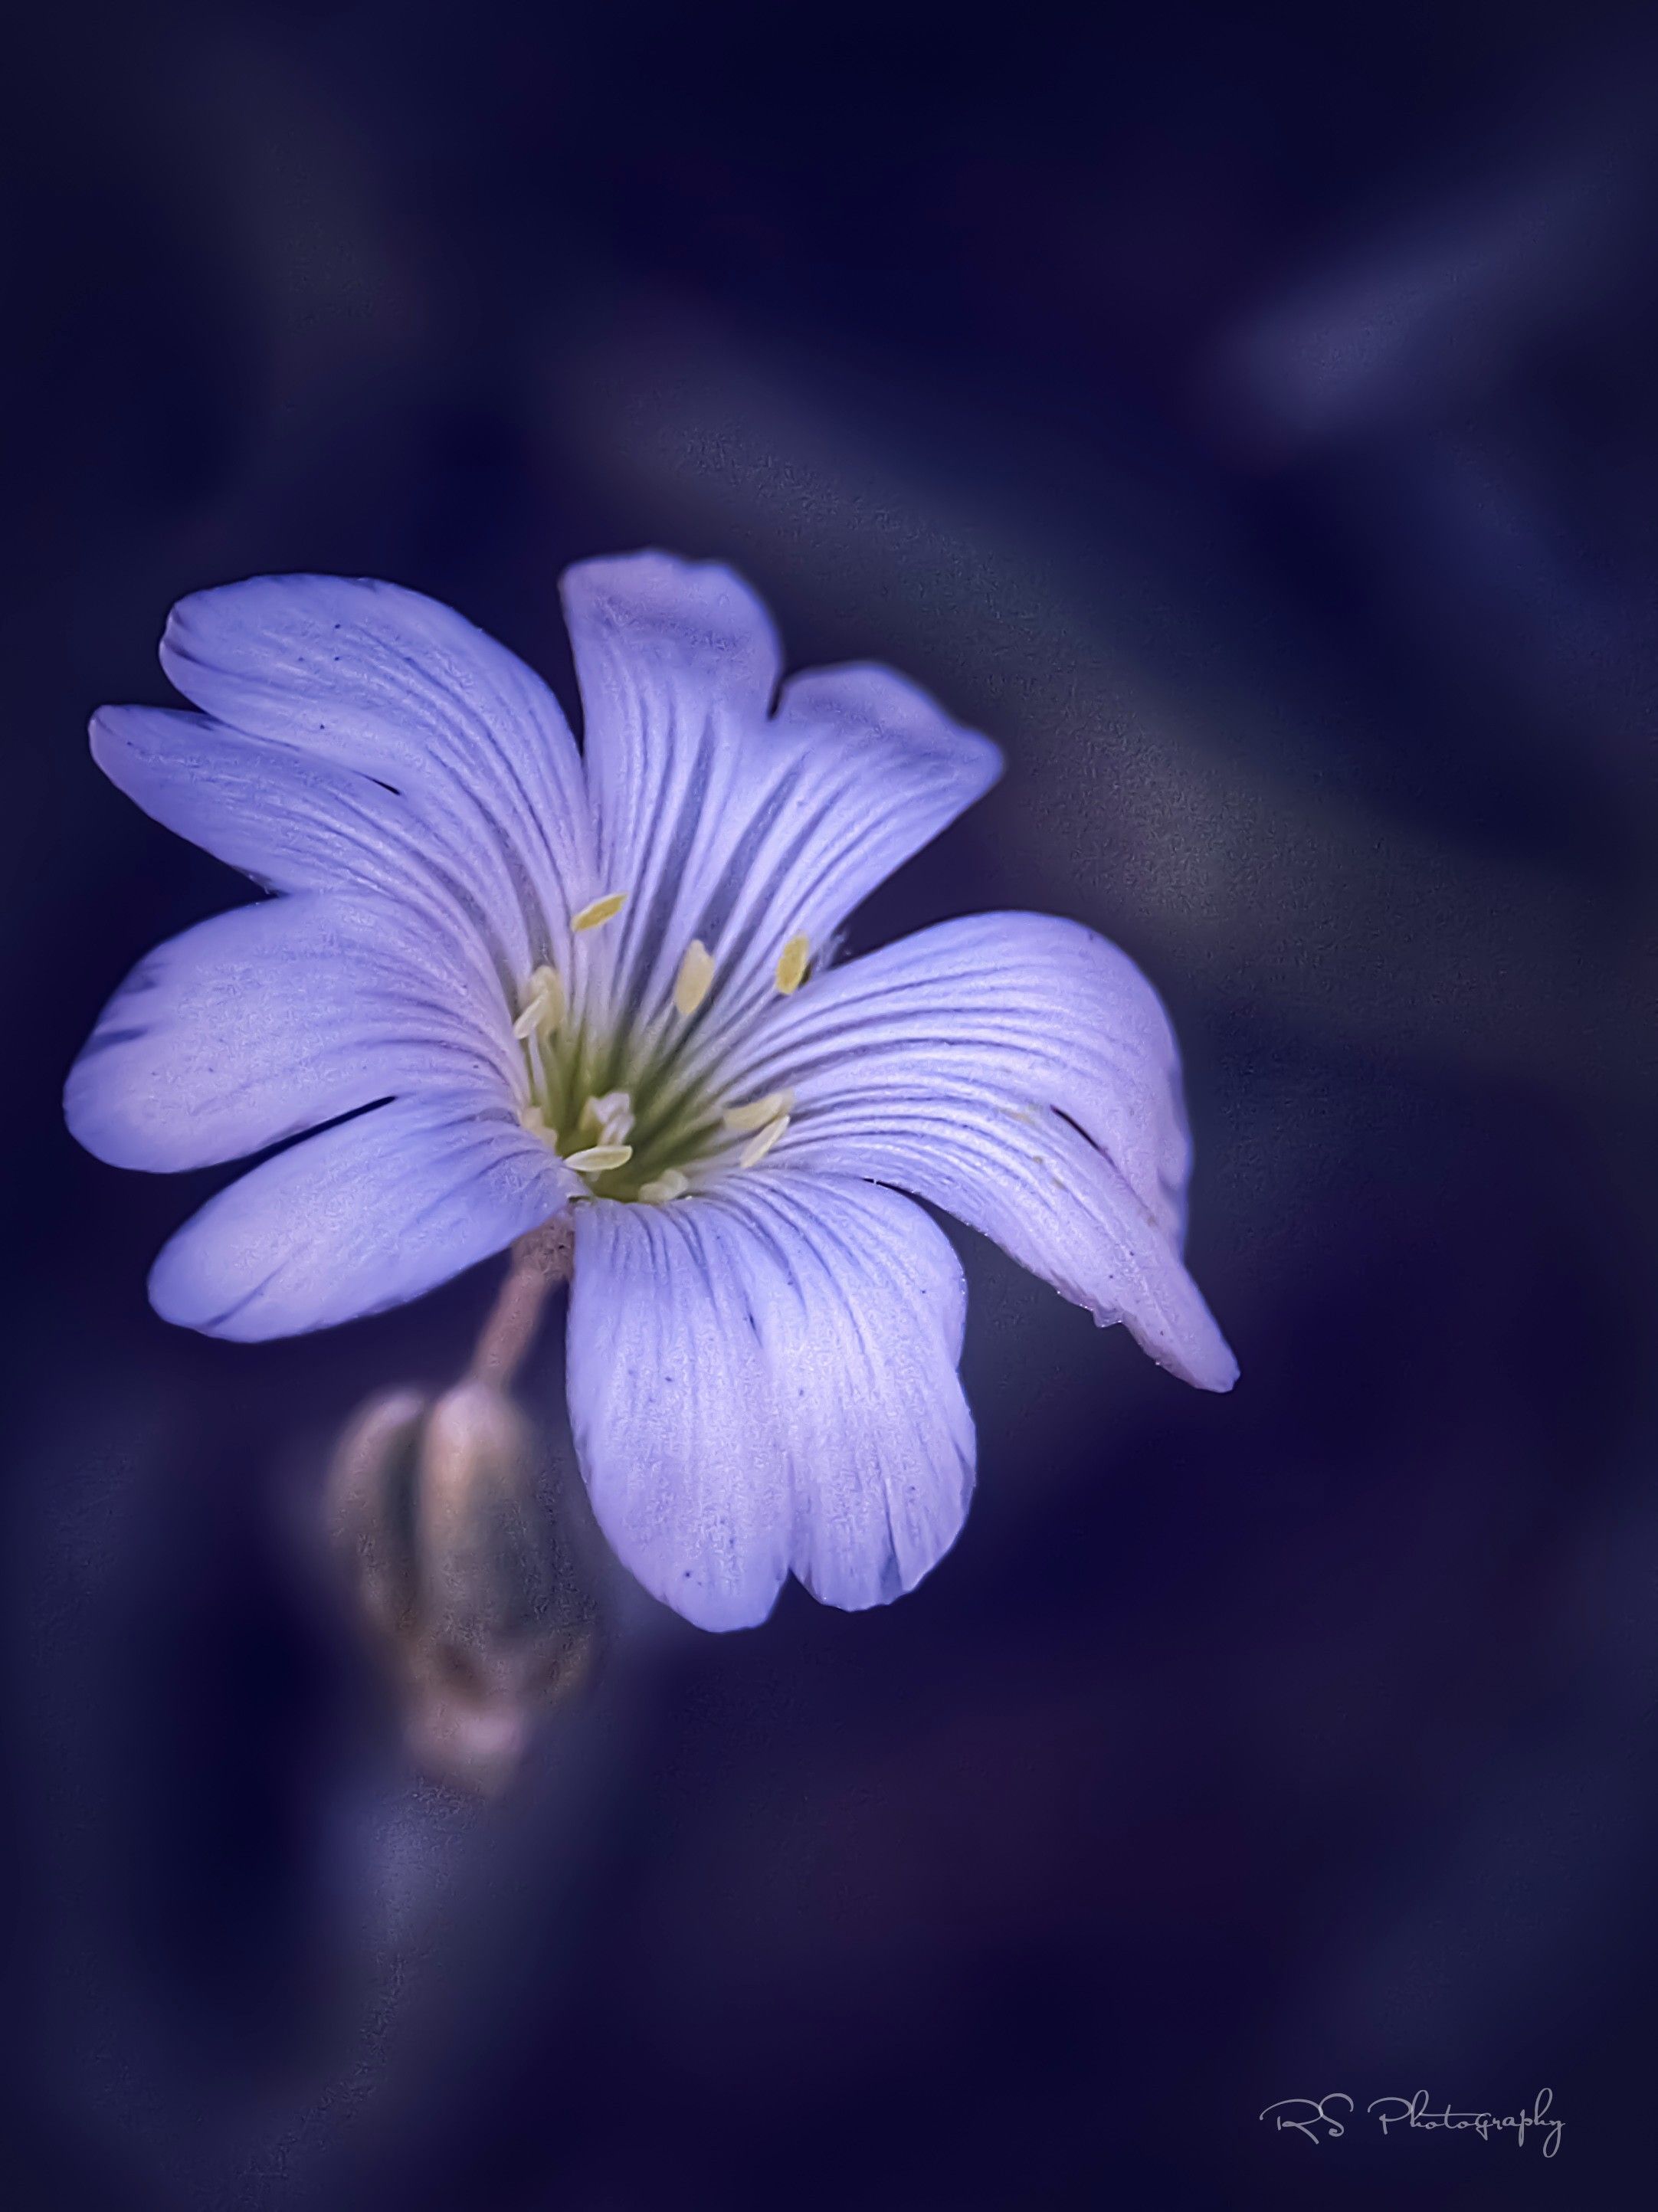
1246	415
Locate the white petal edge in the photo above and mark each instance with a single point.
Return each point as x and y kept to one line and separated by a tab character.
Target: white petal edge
764	1380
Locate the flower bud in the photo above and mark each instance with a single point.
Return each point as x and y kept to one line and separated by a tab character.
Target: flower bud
372	1504
474	1586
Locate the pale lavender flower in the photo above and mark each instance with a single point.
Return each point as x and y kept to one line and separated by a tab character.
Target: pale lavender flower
603	984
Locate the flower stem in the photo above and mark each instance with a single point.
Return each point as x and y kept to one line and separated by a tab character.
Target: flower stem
541	1262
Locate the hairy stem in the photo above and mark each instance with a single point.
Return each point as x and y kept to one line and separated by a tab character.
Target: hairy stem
541	1262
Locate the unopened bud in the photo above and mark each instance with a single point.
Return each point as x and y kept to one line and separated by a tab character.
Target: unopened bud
475	1585
372	1504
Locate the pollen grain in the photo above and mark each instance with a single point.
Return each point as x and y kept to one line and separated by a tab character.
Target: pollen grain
695	978
757	1148
544	1006
792	964
759	1111
599	911
599	1159
660	1190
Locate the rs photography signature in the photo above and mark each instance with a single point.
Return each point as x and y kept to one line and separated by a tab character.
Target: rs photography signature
1322	2119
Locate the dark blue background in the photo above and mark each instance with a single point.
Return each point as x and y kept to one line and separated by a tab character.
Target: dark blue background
1248	416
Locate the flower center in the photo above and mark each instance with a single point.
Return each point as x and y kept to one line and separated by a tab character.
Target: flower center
621	1108
620	1119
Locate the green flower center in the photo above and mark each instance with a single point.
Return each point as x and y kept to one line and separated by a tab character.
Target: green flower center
622	1110
632	1128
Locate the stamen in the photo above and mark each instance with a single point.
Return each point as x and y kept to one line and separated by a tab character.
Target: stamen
792	964
599	1159
599	911
757	1148
533	1121
670	1184
695	977
544	1003
762	1110
607	1119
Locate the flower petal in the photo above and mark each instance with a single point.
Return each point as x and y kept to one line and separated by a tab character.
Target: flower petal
273	1018
337	681
726	825
363	1216
1019	1070
1035	1009
296	823
764	1379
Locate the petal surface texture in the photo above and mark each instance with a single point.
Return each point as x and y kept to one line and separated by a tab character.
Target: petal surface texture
415	793
271	1019
726	823
365	1215
367	734
1020	1072
764	1381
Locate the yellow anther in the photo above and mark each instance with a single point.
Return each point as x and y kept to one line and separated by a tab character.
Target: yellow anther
760	1111
599	1159
544	1003
533	1123
607	1119
599	911
670	1184
757	1148
695	977
792	964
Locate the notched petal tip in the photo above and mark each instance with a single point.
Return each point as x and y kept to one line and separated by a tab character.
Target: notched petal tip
716	1610
765	1384
867	700
702	608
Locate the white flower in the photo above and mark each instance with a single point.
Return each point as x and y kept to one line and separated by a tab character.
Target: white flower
535	981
